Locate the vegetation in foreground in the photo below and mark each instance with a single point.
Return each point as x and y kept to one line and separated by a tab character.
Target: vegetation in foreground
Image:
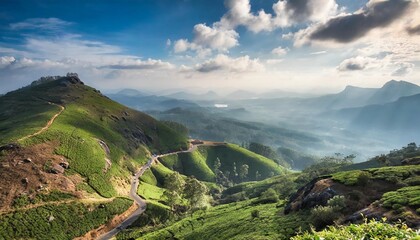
368	230
59	221
242	220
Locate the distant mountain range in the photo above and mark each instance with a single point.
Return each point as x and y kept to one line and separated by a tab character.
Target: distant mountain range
400	115
142	101
357	97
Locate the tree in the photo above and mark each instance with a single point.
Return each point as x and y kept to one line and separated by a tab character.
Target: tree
174	185
243	171
235	173
217	165
195	191
257	175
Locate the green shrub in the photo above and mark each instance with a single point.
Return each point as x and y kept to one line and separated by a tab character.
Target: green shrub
338	202
368	230
406	196
363	178
255	214
324	215
21	201
268	196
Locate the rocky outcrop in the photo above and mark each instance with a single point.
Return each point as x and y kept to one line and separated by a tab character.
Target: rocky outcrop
305	197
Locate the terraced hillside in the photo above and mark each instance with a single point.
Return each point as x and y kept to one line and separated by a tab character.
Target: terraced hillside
62	142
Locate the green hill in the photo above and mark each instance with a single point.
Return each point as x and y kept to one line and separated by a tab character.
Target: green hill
200	163
62	122
88	116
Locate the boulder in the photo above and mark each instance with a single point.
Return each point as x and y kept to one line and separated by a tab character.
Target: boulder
65	165
25	181
56	169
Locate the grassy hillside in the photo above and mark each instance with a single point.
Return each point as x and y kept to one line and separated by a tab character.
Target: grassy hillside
88	116
63	221
229	221
102	142
200	163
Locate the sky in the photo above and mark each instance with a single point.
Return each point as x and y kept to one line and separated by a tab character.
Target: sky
259	45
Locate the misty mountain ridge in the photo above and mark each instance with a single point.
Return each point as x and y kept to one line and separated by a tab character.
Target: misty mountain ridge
401	115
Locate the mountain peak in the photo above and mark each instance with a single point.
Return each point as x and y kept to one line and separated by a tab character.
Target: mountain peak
395	83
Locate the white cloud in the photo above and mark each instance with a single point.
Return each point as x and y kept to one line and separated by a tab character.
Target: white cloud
358	63
214	38
403	69
239	13
279	51
140	64
274	61
377	19
224	63
221	35
6	61
206	39
52	24
318	53
181	45
291	12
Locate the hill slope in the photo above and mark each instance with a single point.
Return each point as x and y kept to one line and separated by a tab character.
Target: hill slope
200	163
65	143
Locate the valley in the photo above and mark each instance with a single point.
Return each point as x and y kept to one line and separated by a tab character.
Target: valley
144	179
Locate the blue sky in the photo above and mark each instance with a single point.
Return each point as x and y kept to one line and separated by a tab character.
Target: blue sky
301	45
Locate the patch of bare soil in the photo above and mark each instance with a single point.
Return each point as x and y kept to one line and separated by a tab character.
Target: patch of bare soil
115	221
32	170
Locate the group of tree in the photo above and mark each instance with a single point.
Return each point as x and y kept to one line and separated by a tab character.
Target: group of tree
185	194
395	156
229	178
326	165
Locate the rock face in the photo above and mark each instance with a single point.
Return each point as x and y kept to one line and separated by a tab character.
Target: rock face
11	146
411	161
317	192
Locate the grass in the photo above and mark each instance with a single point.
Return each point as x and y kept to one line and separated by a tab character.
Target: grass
283	183
190	164
230	221
67	221
199	163
160	172
149	178
231	153
368	230
150	192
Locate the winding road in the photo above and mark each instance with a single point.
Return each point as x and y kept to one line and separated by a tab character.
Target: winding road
137	199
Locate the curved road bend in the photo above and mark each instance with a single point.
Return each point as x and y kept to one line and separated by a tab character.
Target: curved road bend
137	199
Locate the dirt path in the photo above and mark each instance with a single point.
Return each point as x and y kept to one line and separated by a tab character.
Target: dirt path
105	147
137	199
51	121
